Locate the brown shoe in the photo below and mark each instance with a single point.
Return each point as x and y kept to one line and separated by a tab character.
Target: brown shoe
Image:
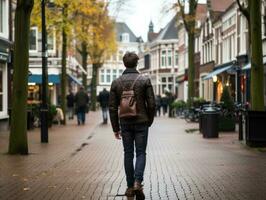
139	191
130	192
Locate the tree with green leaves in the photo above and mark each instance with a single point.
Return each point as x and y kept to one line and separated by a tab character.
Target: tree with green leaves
251	9
189	20
18	143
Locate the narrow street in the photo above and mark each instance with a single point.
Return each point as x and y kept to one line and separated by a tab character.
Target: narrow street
86	162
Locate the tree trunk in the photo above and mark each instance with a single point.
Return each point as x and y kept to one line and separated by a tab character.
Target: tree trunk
84	54
63	72
18	143
257	71
191	67
95	67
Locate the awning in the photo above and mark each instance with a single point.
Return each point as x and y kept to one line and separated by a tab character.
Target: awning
246	67
217	71
37	78
74	79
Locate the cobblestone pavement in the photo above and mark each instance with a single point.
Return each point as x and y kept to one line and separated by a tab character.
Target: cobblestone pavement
87	163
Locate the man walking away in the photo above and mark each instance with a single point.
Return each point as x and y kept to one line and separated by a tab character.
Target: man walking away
134	130
70	105
158	105
164	103
103	99
81	100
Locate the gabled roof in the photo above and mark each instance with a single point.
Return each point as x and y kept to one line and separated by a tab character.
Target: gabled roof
219	5
121	28
201	12
170	31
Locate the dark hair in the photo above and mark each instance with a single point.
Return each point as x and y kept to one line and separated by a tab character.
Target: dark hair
130	60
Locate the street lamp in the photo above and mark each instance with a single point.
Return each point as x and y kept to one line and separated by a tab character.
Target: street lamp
44	106
214	79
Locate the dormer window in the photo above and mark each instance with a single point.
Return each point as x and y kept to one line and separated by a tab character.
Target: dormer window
125	37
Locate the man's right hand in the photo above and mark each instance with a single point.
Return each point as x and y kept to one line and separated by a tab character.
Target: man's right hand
118	135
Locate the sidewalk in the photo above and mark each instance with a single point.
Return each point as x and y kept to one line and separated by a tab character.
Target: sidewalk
87	163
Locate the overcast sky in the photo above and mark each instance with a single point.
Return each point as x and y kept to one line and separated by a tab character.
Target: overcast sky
138	13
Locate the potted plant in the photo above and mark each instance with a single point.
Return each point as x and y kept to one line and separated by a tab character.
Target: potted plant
51	114
227	119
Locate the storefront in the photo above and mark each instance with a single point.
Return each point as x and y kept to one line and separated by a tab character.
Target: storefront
221	76
4	59
34	88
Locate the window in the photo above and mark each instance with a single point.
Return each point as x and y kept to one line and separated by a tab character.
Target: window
114	57
3	18
51	42
120	55
1	90
33	39
163	58
108	76
102	76
114	74
169	57
120	72
125	37
176	58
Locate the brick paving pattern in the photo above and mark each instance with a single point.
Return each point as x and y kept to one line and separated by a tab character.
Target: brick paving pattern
86	162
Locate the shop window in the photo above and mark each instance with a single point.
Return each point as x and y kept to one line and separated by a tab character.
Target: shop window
33	39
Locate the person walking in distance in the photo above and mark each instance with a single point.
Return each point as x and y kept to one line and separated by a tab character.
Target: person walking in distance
132	107
81	100
103	99
70	104
158	105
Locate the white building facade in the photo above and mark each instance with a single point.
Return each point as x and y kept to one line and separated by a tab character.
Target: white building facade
113	66
160	58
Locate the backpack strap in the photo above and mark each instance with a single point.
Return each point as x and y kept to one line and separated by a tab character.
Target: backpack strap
133	84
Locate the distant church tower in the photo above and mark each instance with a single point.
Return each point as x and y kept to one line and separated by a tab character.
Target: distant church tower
151	27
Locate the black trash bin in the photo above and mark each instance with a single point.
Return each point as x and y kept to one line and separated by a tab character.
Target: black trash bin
210	123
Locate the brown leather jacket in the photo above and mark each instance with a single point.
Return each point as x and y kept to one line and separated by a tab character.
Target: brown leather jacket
144	97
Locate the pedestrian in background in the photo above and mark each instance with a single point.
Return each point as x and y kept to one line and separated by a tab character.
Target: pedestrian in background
164	104
134	129
70	105
158	101
103	99
81	103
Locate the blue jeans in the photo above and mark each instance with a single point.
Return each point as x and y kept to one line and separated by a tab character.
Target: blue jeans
105	113
137	133
81	117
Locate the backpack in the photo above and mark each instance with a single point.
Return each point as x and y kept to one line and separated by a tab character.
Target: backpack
128	108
